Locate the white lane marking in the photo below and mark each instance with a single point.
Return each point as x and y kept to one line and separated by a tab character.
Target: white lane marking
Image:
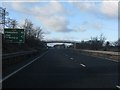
71	58
118	86
22	67
83	65
110	59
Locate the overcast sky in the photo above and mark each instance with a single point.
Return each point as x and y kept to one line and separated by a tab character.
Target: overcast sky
68	20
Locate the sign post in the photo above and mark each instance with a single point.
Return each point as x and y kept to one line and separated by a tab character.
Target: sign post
14	35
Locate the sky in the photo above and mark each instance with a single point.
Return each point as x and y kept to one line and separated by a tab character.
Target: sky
68	20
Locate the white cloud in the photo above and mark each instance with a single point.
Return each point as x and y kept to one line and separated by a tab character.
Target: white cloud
105	8
55	23
21	22
84	6
51	14
16	6
97	26
109	9
87	25
48	9
83	27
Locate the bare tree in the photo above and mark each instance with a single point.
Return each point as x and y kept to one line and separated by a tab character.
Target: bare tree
39	33
28	26
12	23
102	39
3	18
94	43
117	43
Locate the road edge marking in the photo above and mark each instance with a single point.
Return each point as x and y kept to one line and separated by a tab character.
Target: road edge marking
22	67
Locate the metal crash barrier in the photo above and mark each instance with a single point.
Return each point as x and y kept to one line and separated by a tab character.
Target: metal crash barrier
14	58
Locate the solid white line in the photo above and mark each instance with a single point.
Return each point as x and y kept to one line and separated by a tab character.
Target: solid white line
22	67
83	65
111	59
118	87
107	59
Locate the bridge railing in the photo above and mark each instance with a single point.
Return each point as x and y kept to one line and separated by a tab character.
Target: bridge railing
60	41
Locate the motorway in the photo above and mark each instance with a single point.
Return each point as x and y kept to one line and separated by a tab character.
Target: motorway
66	68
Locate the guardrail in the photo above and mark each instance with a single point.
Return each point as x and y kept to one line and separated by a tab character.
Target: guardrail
14	58
102	52
115	56
11	55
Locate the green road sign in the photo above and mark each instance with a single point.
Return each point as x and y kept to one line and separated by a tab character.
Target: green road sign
14	35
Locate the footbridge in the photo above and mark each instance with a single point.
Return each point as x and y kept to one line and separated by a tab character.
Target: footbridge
63	41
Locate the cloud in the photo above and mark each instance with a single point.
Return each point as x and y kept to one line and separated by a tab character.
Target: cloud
50	14
97	26
87	25
21	22
109	9
55	23
103	8
19	0
84	6
47	32
83	27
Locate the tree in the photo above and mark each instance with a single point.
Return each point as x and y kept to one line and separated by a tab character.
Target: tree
3	18
102	39
33	35
12	23
39	33
94	43
28	26
107	45
117	43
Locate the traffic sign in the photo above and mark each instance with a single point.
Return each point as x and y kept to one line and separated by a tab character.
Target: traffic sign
14	35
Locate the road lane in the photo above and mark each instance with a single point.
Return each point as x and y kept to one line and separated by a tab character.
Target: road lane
9	74
57	70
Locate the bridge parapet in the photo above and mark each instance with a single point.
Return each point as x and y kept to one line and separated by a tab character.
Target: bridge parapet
61	41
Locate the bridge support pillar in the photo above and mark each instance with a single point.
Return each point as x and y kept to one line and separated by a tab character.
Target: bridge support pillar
74	45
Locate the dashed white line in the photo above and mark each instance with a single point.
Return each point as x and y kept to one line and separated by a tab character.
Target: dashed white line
71	58
118	87
83	65
22	67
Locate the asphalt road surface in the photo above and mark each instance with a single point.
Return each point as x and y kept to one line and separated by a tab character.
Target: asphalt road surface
64	68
